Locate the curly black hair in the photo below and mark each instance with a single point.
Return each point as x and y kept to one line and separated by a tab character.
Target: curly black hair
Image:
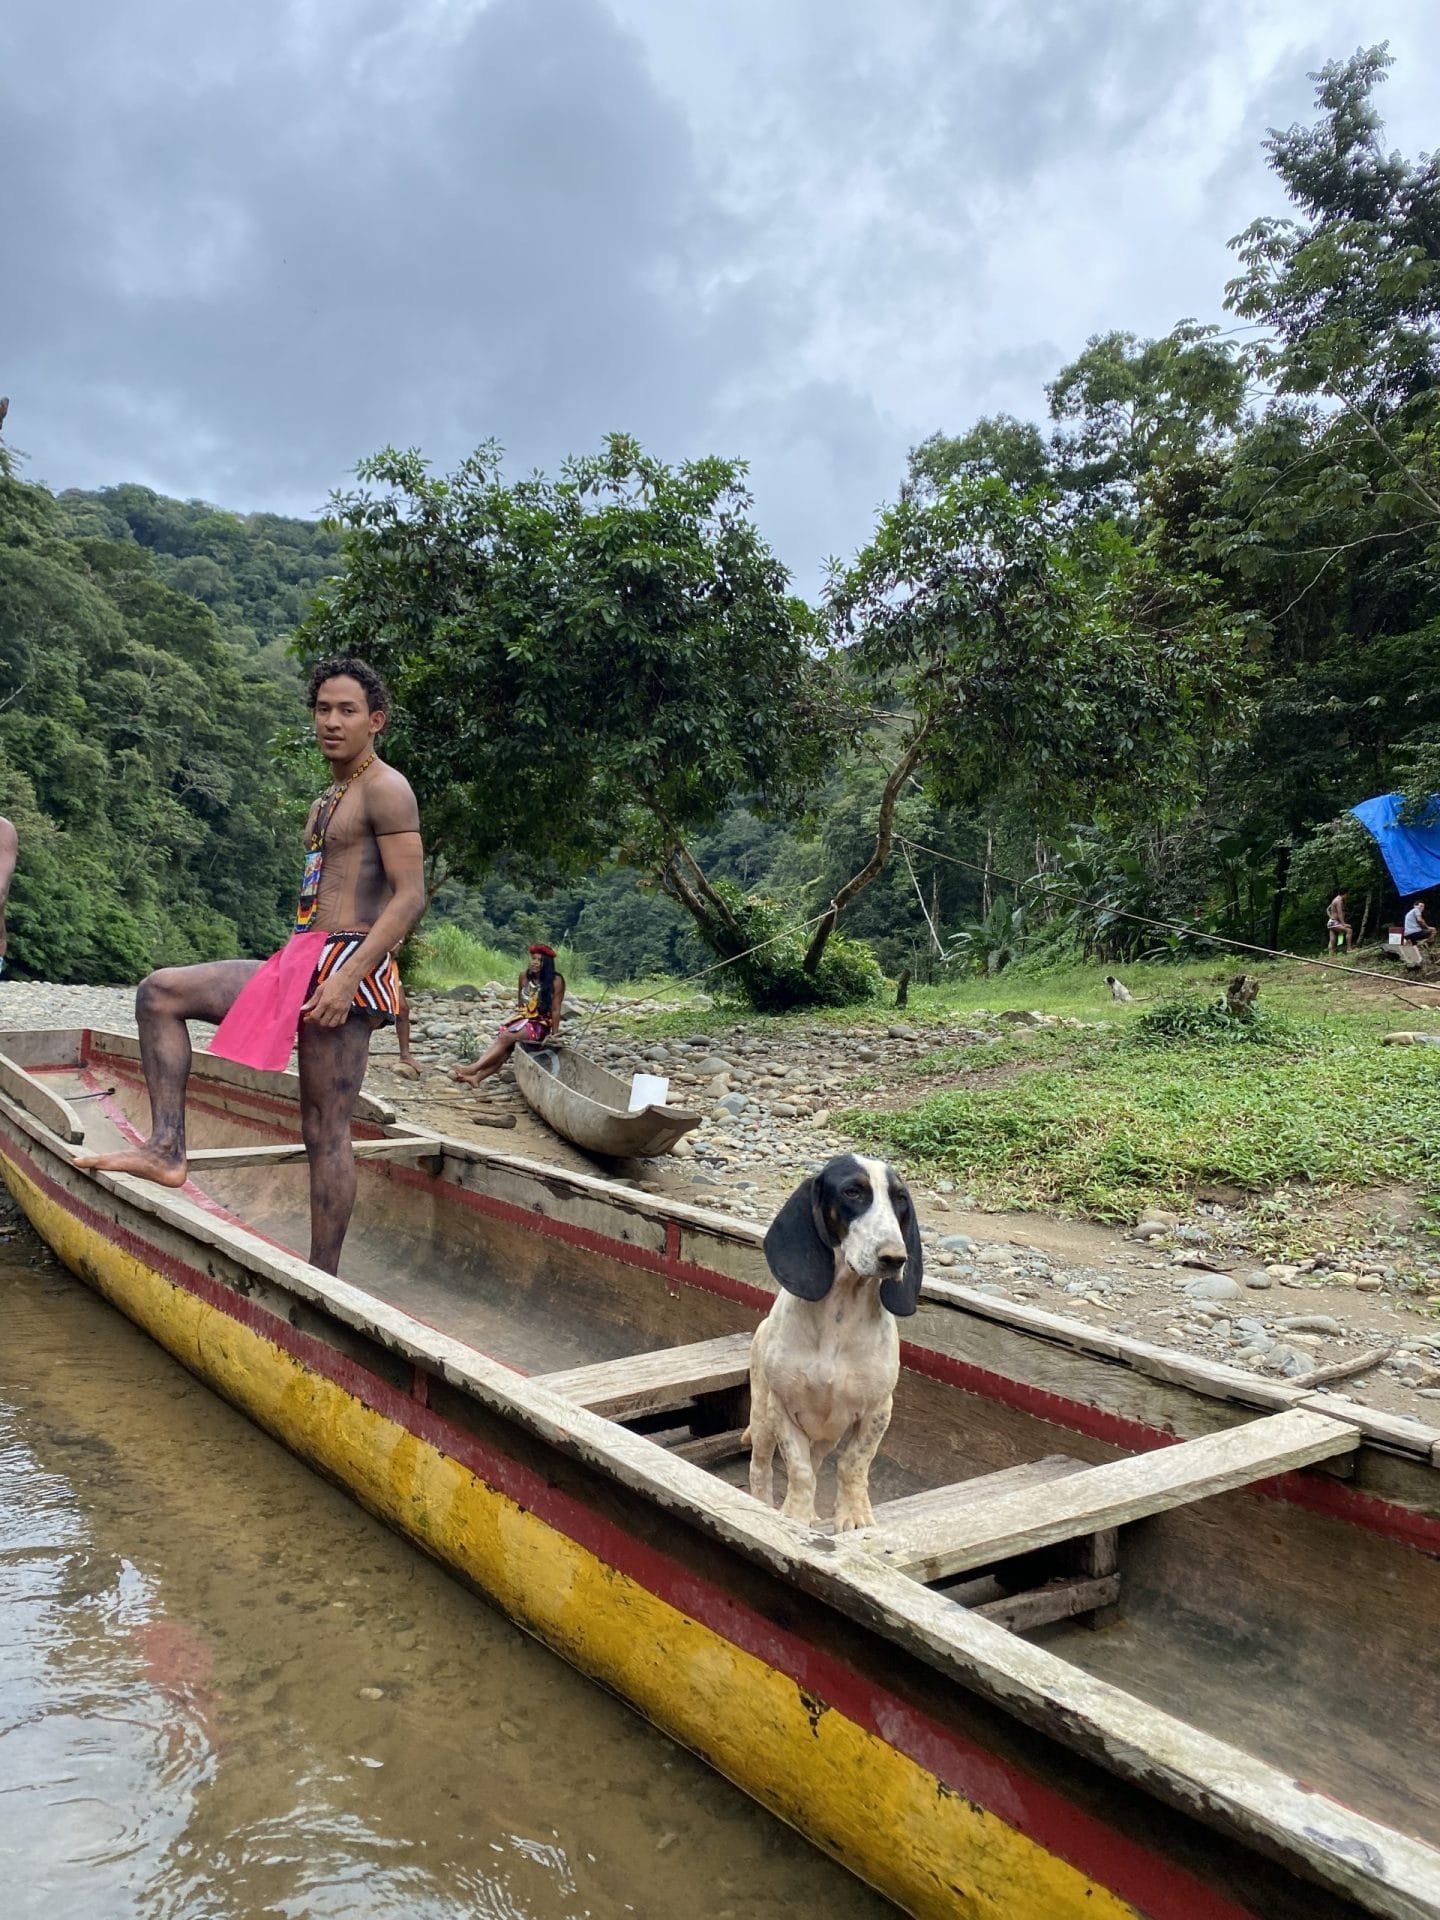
346	666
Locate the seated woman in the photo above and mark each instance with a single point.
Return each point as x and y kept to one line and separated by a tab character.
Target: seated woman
541	999
1417	928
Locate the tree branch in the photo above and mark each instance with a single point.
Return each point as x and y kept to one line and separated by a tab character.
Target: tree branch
718	910
884	841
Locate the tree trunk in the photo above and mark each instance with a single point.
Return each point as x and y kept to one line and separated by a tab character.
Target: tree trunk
699	899
985	901
1277	898
884	842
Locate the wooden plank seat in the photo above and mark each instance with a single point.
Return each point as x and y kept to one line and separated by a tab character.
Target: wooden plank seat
938	1538
1091	1586
654	1382
39	1102
280	1154
965	1494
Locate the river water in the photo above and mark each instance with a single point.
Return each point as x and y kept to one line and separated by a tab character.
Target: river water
227	1693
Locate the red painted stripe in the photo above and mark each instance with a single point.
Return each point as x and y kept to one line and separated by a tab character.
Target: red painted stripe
1160	1889
1338	1500
1115	1429
129	1070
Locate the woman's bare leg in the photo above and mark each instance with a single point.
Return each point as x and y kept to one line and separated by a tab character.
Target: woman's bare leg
163	1004
491	1061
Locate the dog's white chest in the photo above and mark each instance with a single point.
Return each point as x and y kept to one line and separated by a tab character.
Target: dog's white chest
828	1370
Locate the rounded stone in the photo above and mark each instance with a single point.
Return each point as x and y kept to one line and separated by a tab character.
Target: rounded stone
1211	1286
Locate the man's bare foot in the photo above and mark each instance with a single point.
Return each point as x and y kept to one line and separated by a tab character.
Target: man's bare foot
143	1162
469	1075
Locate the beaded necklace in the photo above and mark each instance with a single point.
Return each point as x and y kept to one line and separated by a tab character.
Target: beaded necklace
309	901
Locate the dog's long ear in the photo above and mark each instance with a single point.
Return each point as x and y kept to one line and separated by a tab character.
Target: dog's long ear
796	1254
902	1296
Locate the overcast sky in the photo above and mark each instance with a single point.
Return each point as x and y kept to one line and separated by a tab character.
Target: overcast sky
244	245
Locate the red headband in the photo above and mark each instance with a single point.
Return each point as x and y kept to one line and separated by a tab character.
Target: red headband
540	947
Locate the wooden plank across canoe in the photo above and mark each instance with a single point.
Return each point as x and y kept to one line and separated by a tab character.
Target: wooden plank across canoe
944	1501
39	1102
651	1382
1059	1600
939	1543
227	1159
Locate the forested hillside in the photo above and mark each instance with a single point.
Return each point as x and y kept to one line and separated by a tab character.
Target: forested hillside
256	572
156	824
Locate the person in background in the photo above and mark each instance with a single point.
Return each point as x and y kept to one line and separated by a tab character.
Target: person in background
1337	921
1417	928
402	1028
540	997
9	850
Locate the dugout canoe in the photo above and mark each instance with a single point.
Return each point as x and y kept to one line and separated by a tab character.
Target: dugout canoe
1133	1636
591	1108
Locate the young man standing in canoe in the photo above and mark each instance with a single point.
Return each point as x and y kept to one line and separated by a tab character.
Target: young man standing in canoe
335	981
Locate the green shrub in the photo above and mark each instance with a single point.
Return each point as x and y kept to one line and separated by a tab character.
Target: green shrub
445	955
1189	1019
767	972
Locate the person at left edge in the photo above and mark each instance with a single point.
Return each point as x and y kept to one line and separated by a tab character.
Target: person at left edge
362	891
9	851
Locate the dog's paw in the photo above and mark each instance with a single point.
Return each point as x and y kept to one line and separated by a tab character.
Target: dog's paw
851	1515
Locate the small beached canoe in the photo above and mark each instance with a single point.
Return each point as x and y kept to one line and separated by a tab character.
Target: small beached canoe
591	1108
1134	1637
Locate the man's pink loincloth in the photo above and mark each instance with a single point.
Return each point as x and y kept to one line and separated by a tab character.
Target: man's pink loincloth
259	1030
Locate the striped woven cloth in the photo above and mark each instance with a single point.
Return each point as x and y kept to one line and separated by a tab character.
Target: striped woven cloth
379	991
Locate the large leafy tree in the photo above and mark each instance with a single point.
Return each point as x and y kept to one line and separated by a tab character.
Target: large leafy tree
1126	408
1348	294
1027	652
1324	522
594	663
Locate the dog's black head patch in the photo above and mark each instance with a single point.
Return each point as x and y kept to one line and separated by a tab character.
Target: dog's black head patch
819	1218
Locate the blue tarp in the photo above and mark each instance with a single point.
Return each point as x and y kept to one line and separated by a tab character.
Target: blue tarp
1412	853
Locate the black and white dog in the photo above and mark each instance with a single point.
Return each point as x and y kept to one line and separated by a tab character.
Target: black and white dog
845	1248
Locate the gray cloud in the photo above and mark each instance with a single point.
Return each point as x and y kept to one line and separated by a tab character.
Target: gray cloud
247	246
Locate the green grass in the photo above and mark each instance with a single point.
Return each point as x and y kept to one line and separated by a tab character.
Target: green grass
1120	1122
447	956
1072	992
